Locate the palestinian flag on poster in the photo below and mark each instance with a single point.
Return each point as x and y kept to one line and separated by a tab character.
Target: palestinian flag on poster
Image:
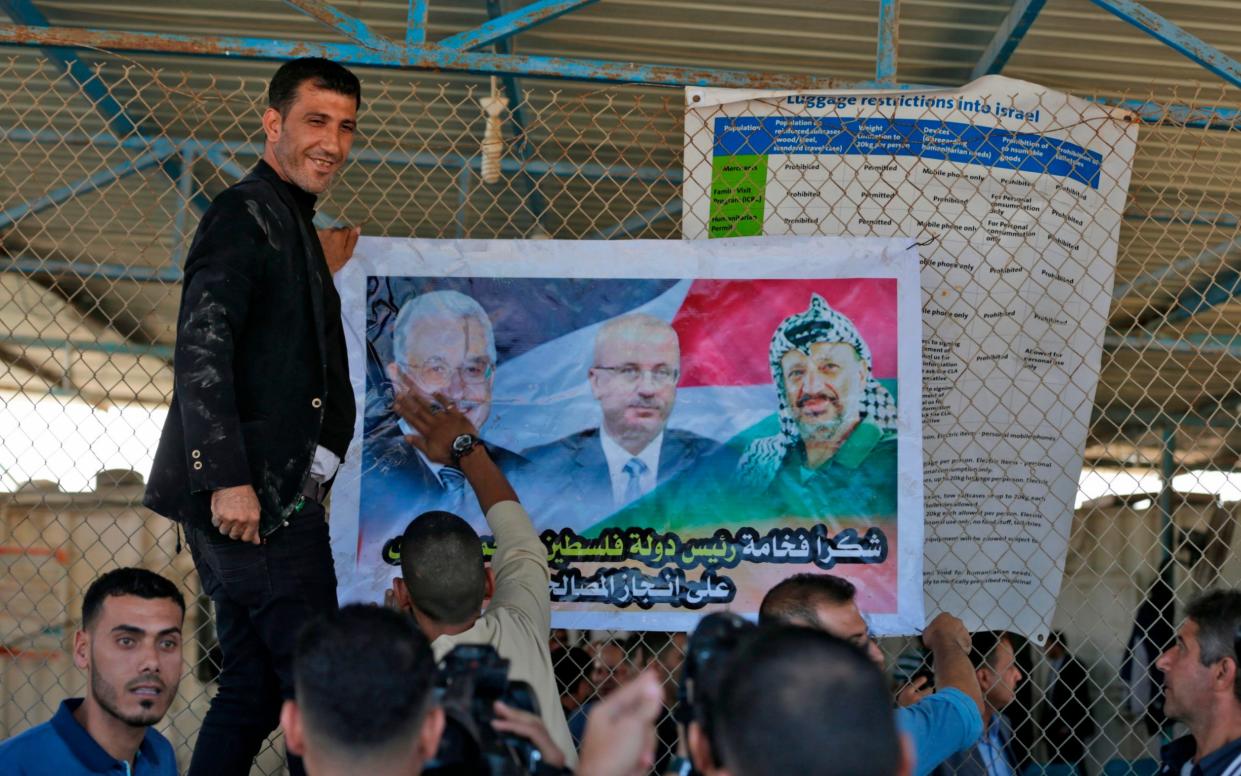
670	431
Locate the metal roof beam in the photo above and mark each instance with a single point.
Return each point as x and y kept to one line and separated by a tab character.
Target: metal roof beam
1007	37
12	354
517	118
160	151
1199	117
92	84
221	150
1200	346
351	27
1179	267
1175	38
25	12
1220	289
639	221
416	23
887	42
87	270
125	348
433	57
507	25
1185	216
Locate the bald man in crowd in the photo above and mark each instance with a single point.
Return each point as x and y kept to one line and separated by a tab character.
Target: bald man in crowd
593	473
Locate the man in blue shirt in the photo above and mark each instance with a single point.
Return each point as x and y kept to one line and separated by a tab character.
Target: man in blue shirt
130	648
940	725
995	663
1202	689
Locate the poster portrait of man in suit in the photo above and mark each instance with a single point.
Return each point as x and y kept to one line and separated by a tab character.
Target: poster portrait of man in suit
595	472
442	343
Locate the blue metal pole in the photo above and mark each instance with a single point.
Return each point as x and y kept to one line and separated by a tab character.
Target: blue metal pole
1207	294
86	271
1008	37
1175	38
889	38
502	27
1180	267
1213	346
349	26
185	194
1203	116
430	57
1185	216
1167	468
161	150
416	23
517	117
122	348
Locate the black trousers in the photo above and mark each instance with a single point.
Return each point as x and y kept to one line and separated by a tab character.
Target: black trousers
263	594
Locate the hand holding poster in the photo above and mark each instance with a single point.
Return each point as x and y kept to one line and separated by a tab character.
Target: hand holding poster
686	424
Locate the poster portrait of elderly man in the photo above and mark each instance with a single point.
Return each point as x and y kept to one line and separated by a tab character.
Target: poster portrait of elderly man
595	472
834	459
442	343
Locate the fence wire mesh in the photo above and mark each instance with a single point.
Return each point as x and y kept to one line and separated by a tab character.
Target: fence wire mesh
102	182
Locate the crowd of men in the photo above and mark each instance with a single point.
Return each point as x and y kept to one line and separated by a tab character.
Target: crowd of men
262	415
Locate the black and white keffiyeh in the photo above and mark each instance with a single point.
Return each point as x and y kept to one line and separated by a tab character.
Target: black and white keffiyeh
819	323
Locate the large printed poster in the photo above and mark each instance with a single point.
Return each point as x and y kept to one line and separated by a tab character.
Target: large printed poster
1014	193
686	423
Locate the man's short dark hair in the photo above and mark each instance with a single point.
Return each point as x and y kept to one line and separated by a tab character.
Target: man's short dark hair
1217	614
321	73
442	563
983	645
127	581
798	700
795	599
363	678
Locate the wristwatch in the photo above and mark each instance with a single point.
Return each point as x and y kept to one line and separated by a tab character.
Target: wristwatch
463	446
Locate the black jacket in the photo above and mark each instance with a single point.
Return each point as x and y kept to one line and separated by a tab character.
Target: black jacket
251	359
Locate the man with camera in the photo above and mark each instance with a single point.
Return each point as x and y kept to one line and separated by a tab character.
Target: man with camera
939	725
445	581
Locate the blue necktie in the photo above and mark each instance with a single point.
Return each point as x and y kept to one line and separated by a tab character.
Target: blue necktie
633	488
454	488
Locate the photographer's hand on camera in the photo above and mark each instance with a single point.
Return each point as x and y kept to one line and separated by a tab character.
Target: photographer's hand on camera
530	727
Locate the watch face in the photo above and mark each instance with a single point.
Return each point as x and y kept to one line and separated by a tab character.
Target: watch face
462	443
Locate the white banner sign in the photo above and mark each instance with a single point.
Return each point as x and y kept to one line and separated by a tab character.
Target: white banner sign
1015	193
687	423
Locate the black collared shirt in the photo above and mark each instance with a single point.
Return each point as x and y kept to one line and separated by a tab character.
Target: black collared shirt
338	404
1176	754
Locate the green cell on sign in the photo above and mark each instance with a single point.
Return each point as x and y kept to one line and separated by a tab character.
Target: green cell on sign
738	194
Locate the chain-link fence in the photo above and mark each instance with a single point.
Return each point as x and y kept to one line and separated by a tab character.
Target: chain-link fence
101	184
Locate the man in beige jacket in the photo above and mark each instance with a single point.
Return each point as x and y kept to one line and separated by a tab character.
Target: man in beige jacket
444	580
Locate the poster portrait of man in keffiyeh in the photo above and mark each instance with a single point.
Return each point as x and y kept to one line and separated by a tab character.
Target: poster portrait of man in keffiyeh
834	459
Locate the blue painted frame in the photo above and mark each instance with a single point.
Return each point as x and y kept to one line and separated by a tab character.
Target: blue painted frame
1175	38
1008	37
505	26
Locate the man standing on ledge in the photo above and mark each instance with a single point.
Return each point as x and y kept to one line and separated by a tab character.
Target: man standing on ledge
262	409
